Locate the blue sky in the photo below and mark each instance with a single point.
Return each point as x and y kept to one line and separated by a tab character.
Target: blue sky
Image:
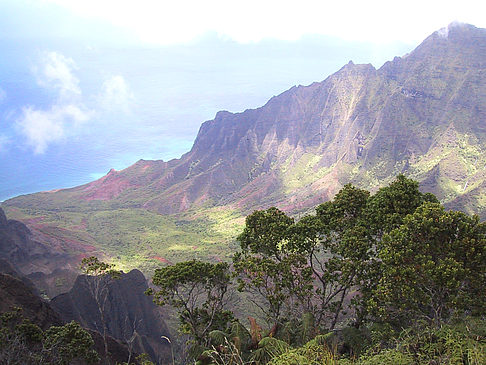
90	85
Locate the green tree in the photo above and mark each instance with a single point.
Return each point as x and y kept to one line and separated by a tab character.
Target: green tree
336	245
69	342
23	342
384	211
278	279
387	208
198	291
433	267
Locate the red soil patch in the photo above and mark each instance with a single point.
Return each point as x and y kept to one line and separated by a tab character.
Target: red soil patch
161	259
33	221
58	238
108	187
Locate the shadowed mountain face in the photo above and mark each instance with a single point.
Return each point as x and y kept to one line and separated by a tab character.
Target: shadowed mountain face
130	315
51	267
423	115
17	292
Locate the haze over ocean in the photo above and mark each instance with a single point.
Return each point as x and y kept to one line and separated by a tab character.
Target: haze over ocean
171	91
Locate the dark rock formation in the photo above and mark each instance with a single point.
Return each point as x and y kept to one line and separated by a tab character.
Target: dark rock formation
50	269
127	311
14	293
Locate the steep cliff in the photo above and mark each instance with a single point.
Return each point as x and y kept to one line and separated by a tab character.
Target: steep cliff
129	314
51	268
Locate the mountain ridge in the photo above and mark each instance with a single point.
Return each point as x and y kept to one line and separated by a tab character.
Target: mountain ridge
422	114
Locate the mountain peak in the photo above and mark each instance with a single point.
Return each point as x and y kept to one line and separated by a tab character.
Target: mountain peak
457	28
460	35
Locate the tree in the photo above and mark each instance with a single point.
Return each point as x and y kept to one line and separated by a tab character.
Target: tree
98	277
69	342
433	267
198	291
278	279
336	245
384	211
23	342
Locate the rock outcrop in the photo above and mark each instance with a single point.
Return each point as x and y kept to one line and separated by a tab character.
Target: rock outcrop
130	315
50	269
15	293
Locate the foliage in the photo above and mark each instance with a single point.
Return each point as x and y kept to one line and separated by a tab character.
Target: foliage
337	246
305	267
269	348
278	278
23	342
198	291
433	267
232	348
463	342
384	211
94	267
387	208
364	266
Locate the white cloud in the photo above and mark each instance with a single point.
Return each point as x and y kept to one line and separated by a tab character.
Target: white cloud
44	127
116	95
41	127
166	22
56	72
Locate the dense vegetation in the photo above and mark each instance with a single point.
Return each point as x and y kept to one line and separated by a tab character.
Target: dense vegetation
384	278
23	342
389	278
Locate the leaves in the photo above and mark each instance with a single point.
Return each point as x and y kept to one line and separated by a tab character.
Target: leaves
197	290
23	342
430	266
94	267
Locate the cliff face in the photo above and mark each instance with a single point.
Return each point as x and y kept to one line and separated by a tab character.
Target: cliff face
130	315
41	263
16	292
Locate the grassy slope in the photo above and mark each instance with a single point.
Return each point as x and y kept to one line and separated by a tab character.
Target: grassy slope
137	238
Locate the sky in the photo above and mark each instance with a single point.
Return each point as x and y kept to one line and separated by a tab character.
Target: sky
86	86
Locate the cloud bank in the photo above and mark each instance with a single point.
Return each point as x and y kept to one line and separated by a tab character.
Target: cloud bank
164	22
41	128
116	95
57	73
64	118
